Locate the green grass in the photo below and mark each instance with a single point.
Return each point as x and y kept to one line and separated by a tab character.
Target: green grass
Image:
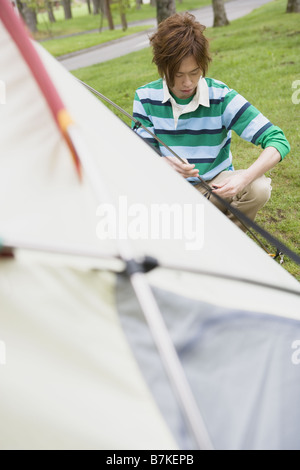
58	47
82	21
258	55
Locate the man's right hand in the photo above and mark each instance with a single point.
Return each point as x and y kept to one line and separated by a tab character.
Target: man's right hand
184	169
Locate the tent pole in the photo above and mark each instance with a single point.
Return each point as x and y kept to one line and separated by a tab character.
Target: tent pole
75	250
171	361
149	307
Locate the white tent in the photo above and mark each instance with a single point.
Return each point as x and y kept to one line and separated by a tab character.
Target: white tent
81	368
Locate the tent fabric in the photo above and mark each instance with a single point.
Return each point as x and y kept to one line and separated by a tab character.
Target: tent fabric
71	378
249	401
43	198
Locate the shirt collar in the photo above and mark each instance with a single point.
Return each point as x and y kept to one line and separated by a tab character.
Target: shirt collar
201	97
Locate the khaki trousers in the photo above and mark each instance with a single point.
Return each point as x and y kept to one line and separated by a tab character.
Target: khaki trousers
249	201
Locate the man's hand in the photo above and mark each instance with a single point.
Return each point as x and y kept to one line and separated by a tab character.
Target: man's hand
184	169
232	185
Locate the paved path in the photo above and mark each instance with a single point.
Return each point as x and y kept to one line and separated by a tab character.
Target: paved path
104	52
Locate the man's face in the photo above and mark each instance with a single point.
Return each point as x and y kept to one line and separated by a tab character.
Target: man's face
187	78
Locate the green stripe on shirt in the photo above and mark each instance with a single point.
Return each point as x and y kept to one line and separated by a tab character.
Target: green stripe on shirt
205	133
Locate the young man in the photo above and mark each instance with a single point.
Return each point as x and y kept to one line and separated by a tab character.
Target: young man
195	115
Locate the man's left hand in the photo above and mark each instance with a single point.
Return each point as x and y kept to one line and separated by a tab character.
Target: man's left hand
231	186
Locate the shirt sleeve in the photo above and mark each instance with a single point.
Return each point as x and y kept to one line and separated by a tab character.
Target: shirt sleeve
251	125
140	114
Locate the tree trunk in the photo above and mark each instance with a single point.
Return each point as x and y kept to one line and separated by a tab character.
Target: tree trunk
124	21
88	2
293	6
164	9
49	7
153	3
96	7
67	9
138	4
29	16
102	7
102	14
109	15
122	6
220	18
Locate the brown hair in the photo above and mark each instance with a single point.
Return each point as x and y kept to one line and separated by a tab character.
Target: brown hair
176	38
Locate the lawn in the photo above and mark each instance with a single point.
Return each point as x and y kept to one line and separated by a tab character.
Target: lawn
83	21
59	47
259	56
83	30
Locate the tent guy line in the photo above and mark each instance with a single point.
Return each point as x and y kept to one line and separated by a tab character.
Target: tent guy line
281	248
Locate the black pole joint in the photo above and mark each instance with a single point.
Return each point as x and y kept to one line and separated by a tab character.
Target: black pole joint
137	125
146	265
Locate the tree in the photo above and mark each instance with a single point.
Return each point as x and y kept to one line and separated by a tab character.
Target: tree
49	8
293	6
67	9
108	14
220	18
88	2
96	7
164	9
123	4
27	11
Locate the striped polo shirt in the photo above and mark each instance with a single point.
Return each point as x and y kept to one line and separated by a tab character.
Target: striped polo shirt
199	129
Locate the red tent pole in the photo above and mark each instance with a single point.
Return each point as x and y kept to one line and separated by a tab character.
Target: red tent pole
15	28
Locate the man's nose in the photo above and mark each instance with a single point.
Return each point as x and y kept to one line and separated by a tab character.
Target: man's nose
187	80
